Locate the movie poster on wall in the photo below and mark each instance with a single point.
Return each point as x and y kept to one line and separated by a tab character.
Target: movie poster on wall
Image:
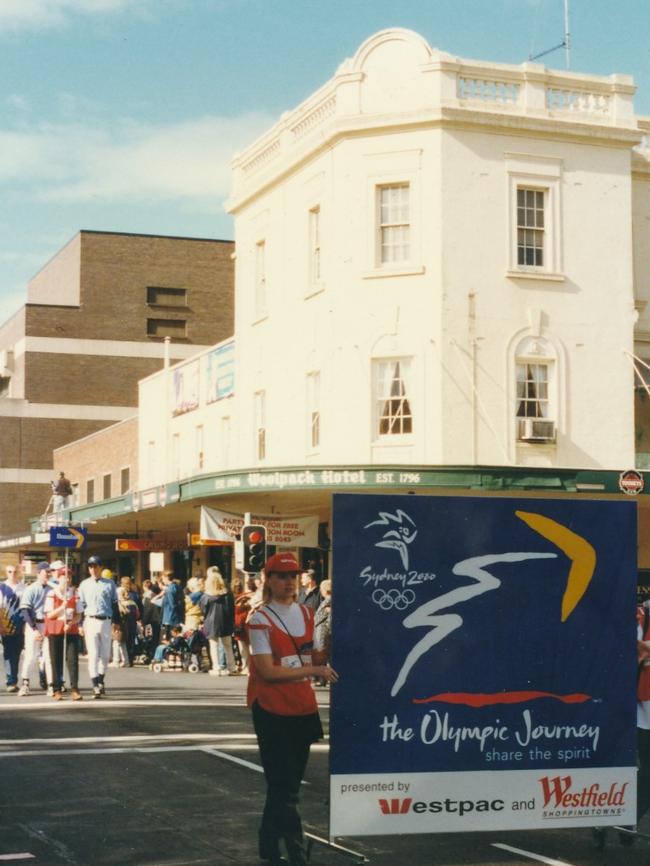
486	649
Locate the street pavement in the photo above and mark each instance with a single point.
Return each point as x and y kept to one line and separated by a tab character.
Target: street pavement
165	772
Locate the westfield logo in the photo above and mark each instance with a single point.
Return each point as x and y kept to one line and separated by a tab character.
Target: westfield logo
559	792
395	806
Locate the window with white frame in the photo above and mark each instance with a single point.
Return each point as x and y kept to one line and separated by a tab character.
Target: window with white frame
530	227
225	442
151	461
393	414
176	456
313	410
260	279
393	224
535	410
314	246
198	446
260	425
535	216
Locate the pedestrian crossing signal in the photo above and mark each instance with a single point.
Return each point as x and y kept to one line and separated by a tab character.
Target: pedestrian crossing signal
254	541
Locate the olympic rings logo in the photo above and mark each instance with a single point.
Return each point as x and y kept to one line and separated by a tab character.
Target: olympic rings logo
393	598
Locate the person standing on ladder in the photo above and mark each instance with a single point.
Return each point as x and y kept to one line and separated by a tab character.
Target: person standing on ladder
62	491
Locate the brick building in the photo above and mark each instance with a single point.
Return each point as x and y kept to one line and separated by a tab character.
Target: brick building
95	322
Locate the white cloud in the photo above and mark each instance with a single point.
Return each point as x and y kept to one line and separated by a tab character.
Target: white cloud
127	161
21	14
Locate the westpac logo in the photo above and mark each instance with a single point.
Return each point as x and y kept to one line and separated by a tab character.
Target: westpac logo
395	806
400	533
449	806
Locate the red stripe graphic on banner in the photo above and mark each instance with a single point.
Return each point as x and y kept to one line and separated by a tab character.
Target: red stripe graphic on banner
500	698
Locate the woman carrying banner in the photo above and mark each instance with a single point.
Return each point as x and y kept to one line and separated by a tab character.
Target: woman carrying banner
285	713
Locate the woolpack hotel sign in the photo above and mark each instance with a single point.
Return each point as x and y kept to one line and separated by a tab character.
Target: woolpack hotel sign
487	658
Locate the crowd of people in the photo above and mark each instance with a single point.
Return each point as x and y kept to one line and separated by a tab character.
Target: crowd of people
48	624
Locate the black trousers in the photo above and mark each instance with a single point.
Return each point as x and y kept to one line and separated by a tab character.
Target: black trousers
643	777
284	743
72	659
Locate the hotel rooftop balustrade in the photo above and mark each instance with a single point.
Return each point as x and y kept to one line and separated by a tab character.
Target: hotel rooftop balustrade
430	87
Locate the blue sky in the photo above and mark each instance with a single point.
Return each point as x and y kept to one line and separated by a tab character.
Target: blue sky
122	115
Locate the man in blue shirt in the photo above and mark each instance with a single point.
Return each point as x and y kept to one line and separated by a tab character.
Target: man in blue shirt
11	633
99	599
31	609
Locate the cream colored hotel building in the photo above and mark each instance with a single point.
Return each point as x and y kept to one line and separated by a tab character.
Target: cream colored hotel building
441	286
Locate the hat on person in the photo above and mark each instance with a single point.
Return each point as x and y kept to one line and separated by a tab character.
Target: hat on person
43	566
94	560
57	565
281	562
107	573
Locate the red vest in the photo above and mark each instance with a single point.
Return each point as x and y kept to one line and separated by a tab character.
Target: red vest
55	626
294	698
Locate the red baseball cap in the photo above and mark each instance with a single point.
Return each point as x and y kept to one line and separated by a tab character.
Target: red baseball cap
281	562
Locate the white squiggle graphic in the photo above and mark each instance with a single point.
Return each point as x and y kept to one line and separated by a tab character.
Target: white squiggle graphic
444	625
393	598
401	534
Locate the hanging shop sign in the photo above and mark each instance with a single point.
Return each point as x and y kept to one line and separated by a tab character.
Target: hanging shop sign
148	544
287	531
194	540
631	482
488	674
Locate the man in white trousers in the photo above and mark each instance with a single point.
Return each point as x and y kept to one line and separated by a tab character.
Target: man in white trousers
99	599
32	604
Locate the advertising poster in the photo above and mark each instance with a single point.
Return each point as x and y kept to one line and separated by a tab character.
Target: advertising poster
292	531
486	649
186	388
220	372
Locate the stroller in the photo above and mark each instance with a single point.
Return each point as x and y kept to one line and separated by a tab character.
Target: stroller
198	644
174	656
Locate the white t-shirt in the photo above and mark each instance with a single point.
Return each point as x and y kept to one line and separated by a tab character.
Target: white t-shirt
293	621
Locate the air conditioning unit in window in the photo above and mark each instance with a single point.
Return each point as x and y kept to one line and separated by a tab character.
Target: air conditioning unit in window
536	430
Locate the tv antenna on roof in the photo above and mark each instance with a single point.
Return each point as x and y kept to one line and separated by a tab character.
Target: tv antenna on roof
566	42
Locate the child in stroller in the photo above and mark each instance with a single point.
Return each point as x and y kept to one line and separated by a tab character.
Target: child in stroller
175	655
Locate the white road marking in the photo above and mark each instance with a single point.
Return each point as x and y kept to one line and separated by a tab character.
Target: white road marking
133	749
538	857
109	702
125	739
235	760
232	758
24	856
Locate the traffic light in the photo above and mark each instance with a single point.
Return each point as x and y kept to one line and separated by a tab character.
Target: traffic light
254	541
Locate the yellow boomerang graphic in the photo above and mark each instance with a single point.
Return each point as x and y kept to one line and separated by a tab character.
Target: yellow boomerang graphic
579	551
78	535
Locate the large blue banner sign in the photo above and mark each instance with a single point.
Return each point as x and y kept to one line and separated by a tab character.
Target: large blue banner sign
486	649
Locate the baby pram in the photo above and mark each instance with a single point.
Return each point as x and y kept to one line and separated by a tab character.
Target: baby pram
198	644
174	656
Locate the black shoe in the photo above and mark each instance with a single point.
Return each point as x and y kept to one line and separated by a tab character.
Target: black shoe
296	852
